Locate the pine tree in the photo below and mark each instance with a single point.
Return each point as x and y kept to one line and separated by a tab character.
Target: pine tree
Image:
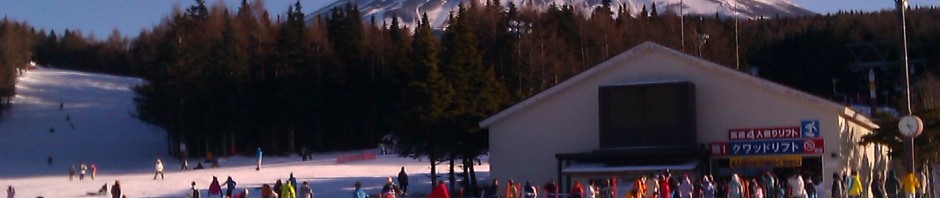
644	13
199	11
653	13
425	101
477	92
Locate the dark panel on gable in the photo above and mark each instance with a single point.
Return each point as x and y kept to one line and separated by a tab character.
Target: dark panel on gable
647	115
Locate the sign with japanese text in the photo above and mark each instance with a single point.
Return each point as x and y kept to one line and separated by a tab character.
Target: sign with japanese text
806	129
764	134
772	147
774	161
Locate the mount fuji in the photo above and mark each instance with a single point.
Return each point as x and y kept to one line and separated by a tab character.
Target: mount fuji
409	11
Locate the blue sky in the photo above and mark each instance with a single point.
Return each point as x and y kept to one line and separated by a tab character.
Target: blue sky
101	17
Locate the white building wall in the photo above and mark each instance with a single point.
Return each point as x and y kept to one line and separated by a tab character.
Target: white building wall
522	145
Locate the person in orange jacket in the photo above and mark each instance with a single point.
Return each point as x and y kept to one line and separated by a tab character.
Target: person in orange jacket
512	191
640	186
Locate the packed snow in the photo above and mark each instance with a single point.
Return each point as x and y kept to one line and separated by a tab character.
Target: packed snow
106	133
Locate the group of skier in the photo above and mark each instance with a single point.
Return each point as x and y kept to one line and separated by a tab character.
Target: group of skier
390	189
280	189
83	169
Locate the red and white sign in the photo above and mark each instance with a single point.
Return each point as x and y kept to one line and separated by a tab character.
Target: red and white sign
814	146
764	134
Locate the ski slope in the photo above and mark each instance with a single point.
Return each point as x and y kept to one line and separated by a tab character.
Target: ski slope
105	132
99	107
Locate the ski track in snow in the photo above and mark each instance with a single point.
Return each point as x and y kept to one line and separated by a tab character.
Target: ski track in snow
125	149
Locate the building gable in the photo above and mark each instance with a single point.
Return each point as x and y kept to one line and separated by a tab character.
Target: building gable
622	62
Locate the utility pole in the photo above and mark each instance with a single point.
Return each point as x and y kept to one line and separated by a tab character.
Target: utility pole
682	24
902	20
737	46
737	59
912	124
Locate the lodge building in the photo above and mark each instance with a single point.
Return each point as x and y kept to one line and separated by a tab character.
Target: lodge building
652	108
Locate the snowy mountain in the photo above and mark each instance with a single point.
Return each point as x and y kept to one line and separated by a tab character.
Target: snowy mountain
409	11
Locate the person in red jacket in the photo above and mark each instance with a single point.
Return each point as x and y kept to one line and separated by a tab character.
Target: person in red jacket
551	190
440	191
665	187
577	191
215	188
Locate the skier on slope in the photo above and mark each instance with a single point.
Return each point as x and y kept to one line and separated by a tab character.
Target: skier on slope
259	159
71	172
159	170
83	169
94	171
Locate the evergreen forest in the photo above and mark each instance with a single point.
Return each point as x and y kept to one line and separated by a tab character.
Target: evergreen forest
228	81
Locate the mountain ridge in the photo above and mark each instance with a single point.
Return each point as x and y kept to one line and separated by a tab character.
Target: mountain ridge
410	11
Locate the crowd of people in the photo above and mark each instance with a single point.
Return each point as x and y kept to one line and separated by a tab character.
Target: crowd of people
765	185
659	185
280	189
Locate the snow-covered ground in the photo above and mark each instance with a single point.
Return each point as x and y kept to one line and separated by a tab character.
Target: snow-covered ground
101	108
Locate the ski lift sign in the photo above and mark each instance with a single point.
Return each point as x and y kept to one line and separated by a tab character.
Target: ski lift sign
771	147
802	139
806	129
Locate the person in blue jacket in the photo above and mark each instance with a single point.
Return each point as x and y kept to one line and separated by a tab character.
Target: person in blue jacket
259	159
359	193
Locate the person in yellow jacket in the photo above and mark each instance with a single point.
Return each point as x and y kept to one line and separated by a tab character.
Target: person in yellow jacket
287	191
854	185
911	184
